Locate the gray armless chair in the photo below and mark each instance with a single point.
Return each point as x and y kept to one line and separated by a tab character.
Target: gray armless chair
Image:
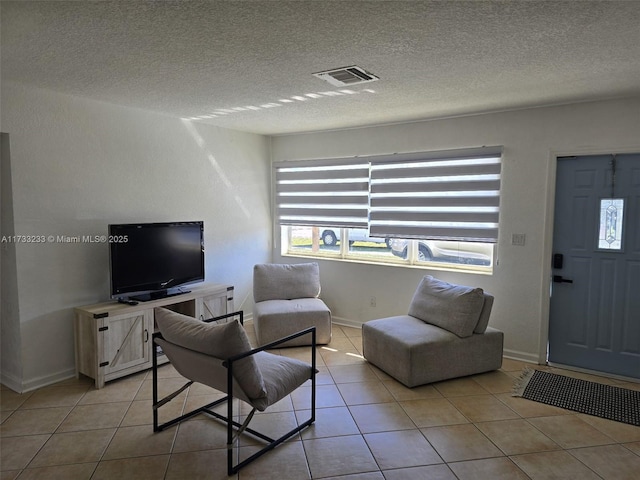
287	300
444	335
220	356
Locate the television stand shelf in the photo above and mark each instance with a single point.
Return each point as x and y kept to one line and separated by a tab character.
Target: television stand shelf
114	339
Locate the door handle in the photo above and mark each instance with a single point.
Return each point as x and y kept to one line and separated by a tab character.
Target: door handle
561	279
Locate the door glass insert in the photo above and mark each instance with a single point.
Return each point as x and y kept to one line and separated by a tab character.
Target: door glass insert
611	217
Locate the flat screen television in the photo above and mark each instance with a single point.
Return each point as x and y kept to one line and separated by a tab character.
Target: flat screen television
151	260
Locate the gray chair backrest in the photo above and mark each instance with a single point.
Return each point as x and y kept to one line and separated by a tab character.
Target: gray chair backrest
483	321
272	281
459	309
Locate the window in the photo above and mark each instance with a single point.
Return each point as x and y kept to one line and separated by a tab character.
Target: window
328	242
611	217
420	252
437	198
418	209
309	241
330	193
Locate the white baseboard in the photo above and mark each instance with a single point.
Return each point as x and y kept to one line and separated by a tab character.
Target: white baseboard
521	356
11	382
45	381
346	322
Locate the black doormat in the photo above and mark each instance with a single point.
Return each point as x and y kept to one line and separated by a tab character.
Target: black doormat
606	401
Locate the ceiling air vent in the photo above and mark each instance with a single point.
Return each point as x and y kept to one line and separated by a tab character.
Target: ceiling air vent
346	76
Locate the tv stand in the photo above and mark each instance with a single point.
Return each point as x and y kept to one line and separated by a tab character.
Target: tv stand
170	292
114	339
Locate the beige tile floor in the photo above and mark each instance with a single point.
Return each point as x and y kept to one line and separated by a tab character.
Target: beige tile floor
368	427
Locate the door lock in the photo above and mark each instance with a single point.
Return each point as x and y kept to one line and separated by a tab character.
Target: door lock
558	260
561	279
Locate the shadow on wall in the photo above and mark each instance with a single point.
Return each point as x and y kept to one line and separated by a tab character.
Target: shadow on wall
214	163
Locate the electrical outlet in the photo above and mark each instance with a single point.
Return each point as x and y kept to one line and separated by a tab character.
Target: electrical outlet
518	239
372	301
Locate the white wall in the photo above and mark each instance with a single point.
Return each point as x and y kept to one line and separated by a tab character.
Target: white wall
10	357
532	139
78	165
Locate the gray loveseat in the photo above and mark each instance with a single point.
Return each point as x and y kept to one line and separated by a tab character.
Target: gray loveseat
444	335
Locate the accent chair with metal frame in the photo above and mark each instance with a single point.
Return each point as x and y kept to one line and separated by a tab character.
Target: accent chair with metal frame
220	356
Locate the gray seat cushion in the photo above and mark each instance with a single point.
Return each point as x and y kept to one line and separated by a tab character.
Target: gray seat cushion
281	375
274	319
416	353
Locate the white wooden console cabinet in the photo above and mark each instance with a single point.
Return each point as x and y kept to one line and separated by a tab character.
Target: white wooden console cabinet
114	339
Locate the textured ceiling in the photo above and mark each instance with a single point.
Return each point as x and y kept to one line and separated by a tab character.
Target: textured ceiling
434	59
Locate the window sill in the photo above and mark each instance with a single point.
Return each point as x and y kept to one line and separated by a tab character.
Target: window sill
442	267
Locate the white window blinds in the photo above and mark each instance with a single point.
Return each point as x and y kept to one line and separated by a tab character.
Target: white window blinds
323	193
438	196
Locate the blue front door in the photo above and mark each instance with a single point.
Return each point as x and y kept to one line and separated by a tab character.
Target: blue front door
594	318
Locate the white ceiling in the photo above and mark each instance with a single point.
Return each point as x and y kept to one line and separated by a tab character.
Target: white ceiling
434	59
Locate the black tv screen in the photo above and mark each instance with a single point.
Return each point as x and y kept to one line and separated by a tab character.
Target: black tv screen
151	259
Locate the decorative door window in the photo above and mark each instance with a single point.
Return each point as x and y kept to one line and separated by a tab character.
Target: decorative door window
611	218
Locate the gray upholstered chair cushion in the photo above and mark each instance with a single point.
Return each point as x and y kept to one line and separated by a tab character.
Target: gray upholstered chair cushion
455	308
483	321
415	352
217	340
279	318
273	281
202	368
281	374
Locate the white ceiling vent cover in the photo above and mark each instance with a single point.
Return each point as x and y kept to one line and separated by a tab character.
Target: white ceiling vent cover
346	76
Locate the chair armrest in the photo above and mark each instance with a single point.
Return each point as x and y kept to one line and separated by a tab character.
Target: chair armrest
239	313
306	331
229	362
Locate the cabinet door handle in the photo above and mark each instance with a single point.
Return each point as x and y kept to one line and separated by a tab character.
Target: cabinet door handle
146	335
